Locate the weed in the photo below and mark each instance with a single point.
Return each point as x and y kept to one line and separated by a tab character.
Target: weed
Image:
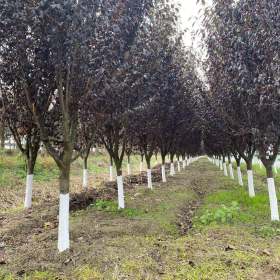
87	273
252	210
224	214
112	207
5	275
268	230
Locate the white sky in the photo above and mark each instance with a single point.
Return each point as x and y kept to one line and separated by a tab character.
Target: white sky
189	13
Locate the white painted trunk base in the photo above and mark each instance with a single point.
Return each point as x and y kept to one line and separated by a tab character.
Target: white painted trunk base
128	169
149	176
120	192
225	169
163	174
250	183
184	164
111	176
28	191
221	165
63	223
179	166
231	171
172	169
239	176
85	178
273	200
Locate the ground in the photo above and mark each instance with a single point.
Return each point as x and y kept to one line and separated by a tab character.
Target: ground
197	226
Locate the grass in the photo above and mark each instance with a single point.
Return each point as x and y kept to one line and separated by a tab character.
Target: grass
252	213
87	273
252	210
13	167
112	207
13	174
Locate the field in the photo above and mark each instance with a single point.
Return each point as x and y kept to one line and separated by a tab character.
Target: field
200	225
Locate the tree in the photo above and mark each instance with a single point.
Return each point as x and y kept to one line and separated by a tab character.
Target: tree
52	44
246	64
25	132
118	94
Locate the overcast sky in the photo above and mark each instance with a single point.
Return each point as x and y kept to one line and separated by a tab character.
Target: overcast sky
189	13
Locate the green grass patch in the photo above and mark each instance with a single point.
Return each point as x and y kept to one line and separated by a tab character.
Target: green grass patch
87	273
4	275
13	169
268	231
112	207
205	271
234	206
221	215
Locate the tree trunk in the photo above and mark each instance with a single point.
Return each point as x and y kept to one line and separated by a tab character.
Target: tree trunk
269	170
178	164
141	163
251	188
184	161
221	163
163	173
149	171
239	174
172	168
29	184
231	171
63	223
225	166
118	164
274	212
2	136
128	165
30	162
85	173
111	170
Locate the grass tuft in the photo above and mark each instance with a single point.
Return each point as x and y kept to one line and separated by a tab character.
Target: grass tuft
87	273
112	207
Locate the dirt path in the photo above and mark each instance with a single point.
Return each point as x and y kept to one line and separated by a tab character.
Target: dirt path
149	240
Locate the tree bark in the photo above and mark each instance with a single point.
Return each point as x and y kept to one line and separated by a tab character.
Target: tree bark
249	164
64	179
269	170
2	135
118	165
85	159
